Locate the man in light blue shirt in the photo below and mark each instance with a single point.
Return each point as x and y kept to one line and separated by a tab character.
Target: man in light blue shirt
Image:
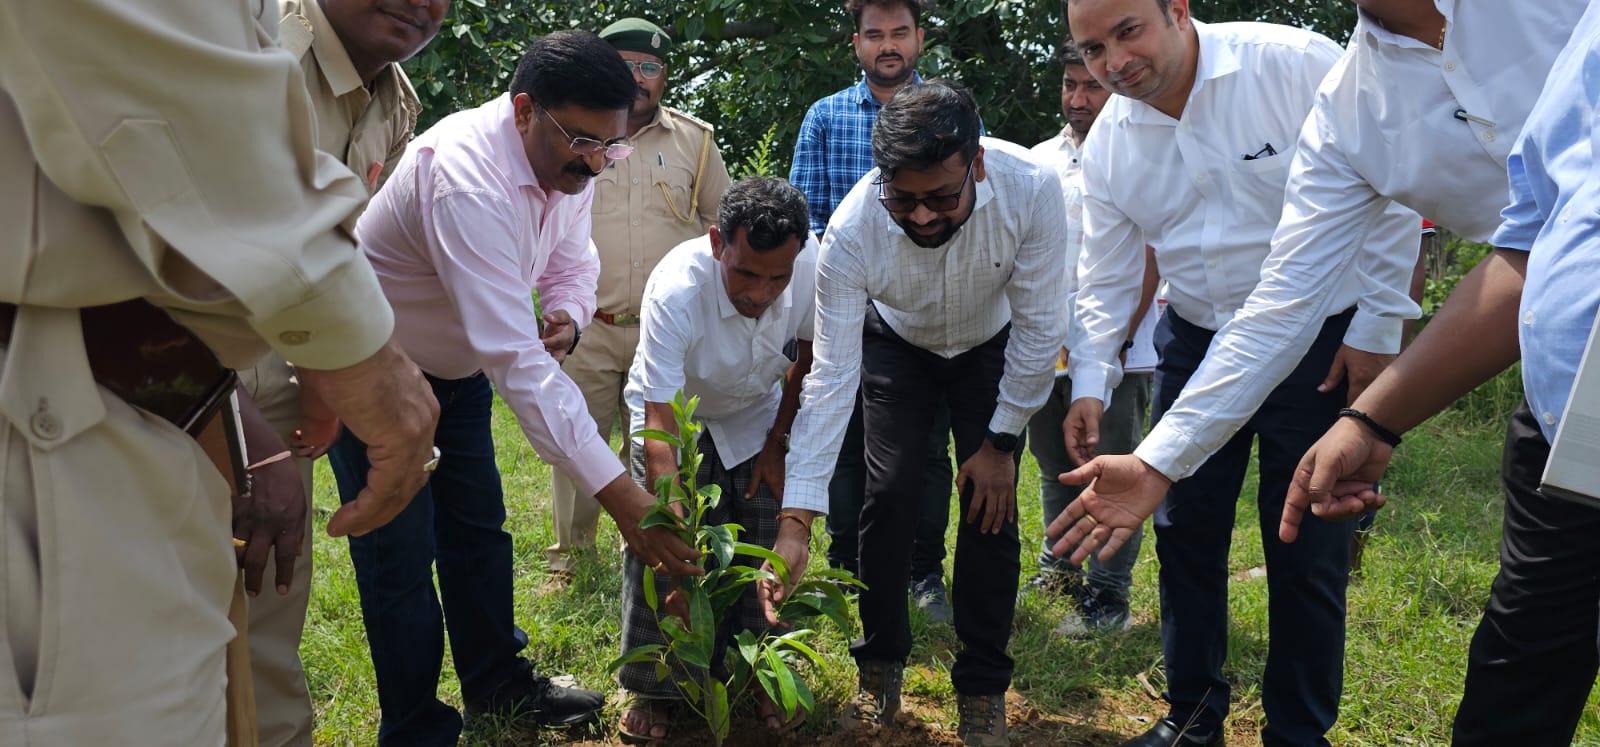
1533	658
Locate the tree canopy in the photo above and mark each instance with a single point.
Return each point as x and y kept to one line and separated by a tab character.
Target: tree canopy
750	67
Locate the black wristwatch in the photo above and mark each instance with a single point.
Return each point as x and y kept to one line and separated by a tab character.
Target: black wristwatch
577	334
1006	442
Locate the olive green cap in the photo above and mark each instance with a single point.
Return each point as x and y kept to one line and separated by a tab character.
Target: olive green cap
638	35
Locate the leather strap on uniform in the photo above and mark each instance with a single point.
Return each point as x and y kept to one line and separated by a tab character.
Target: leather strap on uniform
694	192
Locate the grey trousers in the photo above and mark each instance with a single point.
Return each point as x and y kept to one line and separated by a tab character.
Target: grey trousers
1121	429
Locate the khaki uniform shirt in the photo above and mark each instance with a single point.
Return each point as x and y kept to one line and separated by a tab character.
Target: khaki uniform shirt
164	149
642	204
366	129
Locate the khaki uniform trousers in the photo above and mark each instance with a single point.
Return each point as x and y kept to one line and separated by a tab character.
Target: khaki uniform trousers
600	368
283	704
115	579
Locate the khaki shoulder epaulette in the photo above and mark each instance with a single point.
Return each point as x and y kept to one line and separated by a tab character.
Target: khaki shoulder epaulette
294	34
691	119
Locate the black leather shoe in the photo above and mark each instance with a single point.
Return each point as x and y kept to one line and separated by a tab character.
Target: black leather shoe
530	696
1167	733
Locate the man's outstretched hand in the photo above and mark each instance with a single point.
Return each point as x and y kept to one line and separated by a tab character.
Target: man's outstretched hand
1123	491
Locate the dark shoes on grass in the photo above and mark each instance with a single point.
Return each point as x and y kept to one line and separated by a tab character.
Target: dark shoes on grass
532	697
1167	733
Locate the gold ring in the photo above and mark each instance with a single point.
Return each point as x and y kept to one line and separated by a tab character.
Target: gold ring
1093	522
660	566
432	464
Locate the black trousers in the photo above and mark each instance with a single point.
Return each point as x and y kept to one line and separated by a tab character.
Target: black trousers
1306	579
1534	656
901	385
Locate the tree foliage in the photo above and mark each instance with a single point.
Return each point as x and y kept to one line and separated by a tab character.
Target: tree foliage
749	67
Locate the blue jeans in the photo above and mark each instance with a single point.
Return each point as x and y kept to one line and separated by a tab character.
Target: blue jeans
455	523
1120	432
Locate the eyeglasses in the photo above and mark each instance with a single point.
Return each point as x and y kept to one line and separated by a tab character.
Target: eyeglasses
588	146
650	70
936	203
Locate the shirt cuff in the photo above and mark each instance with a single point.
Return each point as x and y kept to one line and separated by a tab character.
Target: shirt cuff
574	310
1374	334
806	495
591	467
1170	452
1095	380
344	322
1008	419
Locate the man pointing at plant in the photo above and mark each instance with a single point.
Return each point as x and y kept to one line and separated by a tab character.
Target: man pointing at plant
726	318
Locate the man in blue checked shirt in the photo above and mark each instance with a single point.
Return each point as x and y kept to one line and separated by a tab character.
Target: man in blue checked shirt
833	151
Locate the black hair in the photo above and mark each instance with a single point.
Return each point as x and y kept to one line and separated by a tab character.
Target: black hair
915	6
923	125
575	67
770	210
1069	54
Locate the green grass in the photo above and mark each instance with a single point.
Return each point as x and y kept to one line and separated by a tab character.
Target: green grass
1426	574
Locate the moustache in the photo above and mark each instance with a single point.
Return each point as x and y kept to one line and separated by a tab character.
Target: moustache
579	168
890	56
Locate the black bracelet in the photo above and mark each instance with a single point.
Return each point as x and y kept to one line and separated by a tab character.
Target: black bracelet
577	334
1384	434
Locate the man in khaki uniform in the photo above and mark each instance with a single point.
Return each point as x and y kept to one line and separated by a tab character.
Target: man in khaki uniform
663	194
161	150
365	111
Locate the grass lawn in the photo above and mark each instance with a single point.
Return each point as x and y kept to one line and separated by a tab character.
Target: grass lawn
1412	612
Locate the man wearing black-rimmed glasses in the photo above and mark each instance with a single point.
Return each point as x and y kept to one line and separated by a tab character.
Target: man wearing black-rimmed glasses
486	207
662	195
941	280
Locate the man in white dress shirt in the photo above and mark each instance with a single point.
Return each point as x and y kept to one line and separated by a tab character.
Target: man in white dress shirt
727	318
1440	82
1212	115
941	279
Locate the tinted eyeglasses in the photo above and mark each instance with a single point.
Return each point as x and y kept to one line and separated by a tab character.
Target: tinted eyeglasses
936	203
588	146
649	70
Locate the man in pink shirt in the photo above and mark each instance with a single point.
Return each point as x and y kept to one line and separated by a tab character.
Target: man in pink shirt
485	208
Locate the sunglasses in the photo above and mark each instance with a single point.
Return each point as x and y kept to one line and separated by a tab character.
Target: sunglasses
936	203
649	70
588	146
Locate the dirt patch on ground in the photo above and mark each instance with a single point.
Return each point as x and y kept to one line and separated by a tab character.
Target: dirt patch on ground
920	724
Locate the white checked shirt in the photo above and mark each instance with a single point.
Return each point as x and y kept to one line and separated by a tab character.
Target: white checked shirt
1383	126
1004	265
1206	193
692	338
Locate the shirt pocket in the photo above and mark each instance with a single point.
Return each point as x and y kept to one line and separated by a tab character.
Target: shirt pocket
1258	185
610	191
671	192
